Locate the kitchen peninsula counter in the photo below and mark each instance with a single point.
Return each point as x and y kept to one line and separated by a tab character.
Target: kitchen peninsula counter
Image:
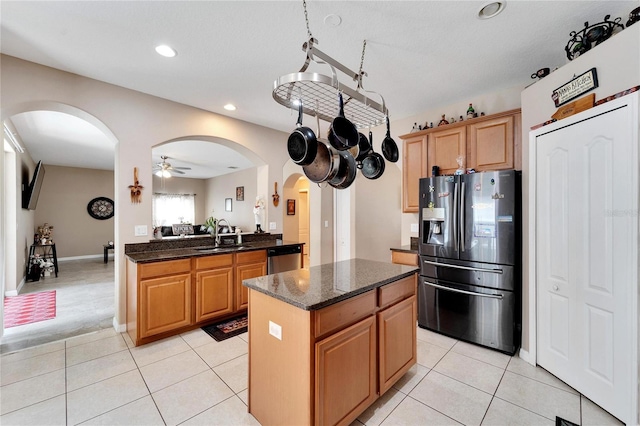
153	252
326	342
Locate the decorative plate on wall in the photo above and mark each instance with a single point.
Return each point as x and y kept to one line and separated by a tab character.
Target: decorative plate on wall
101	208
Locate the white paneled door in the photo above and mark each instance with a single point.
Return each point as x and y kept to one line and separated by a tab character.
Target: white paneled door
586	214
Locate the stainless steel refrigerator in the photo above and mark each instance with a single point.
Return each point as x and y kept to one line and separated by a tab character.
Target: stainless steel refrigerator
470	258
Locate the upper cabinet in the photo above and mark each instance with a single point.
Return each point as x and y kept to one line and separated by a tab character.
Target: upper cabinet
492	142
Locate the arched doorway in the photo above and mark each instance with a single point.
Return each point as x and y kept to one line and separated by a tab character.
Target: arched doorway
53	133
296	213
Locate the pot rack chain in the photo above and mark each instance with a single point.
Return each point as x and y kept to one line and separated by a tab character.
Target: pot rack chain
320	91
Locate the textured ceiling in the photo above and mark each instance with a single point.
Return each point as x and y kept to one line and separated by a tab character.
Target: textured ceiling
419	55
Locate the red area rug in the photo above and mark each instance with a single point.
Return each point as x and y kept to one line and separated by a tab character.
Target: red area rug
28	308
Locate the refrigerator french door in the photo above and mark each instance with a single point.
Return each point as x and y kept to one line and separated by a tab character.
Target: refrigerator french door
470	258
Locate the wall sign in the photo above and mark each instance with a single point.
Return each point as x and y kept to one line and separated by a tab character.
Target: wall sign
576	87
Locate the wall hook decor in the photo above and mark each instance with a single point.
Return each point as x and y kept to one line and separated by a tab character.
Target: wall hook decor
136	188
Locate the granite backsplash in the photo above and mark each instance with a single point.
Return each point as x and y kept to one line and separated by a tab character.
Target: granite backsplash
198	241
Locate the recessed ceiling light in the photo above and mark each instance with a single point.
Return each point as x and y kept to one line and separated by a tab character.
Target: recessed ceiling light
166	51
332	20
492	9
230	107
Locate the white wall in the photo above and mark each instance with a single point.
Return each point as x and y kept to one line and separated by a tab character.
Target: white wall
221	187
617	63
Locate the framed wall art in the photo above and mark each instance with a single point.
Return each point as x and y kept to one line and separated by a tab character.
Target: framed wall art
227	204
291	207
239	193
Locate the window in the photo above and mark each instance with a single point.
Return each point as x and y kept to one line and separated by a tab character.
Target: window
169	209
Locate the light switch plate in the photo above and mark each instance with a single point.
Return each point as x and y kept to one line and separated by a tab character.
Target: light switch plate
275	330
140	230
326	223
272	225
414	227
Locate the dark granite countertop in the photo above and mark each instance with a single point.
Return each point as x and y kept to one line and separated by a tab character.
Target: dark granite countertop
321	286
206	249
407	249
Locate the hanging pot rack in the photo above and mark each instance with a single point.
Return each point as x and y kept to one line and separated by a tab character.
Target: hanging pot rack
318	92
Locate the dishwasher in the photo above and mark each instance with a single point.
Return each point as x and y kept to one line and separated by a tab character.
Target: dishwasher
281	259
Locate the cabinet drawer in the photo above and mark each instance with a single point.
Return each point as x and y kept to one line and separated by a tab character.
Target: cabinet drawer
394	292
157	269
404	258
251	256
335	317
217	261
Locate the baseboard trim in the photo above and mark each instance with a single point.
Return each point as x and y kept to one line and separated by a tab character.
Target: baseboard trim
88	256
120	328
15	292
526	356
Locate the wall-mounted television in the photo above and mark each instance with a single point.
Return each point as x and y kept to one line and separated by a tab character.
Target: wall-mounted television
32	192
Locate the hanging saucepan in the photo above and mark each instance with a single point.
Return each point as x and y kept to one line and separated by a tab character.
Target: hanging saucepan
302	143
373	163
363	149
342	133
346	171
325	165
389	147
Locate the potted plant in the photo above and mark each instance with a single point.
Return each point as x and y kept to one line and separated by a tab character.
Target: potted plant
210	225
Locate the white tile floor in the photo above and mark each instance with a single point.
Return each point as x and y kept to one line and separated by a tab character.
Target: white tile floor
102	379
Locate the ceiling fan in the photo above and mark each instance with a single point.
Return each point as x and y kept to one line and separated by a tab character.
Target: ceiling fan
165	170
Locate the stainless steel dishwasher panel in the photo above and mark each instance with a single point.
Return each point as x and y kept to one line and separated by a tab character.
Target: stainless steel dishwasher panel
281	259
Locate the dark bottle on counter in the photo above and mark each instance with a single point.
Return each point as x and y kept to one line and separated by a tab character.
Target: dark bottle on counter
435	171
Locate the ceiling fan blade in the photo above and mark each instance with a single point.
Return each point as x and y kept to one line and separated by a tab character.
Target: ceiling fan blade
181	168
176	171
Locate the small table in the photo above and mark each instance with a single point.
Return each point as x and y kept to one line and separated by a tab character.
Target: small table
45	251
107	247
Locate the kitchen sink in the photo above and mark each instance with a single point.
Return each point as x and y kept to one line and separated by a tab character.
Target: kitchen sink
222	248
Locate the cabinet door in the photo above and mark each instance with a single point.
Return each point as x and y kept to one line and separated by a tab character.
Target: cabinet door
491	144
214	293
414	167
165	304
244	272
346	373
396	341
444	147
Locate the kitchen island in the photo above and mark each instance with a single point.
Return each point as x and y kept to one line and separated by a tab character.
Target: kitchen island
326	342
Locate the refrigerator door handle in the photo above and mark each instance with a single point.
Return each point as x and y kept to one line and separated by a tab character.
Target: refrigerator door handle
470	293
461	217
455	216
467	268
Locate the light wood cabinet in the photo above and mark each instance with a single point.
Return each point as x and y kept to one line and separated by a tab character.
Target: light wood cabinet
346	366
487	143
214	287
248	265
404	258
415	167
443	149
169	297
396	341
161	299
327	366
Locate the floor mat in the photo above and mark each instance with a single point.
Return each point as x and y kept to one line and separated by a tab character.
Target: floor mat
227	328
29	308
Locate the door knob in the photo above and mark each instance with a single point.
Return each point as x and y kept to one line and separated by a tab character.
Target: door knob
555	287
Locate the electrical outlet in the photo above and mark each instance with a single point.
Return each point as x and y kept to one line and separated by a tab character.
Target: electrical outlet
275	330
272	226
414	227
140	230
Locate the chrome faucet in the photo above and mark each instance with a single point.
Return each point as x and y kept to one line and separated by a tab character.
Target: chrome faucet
218	226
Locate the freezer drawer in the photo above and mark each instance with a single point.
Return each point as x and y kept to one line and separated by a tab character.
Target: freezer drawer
472	273
487	317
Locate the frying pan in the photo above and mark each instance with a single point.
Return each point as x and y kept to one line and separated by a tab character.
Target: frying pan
373	163
325	164
389	147
302	143
346	171
342	133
